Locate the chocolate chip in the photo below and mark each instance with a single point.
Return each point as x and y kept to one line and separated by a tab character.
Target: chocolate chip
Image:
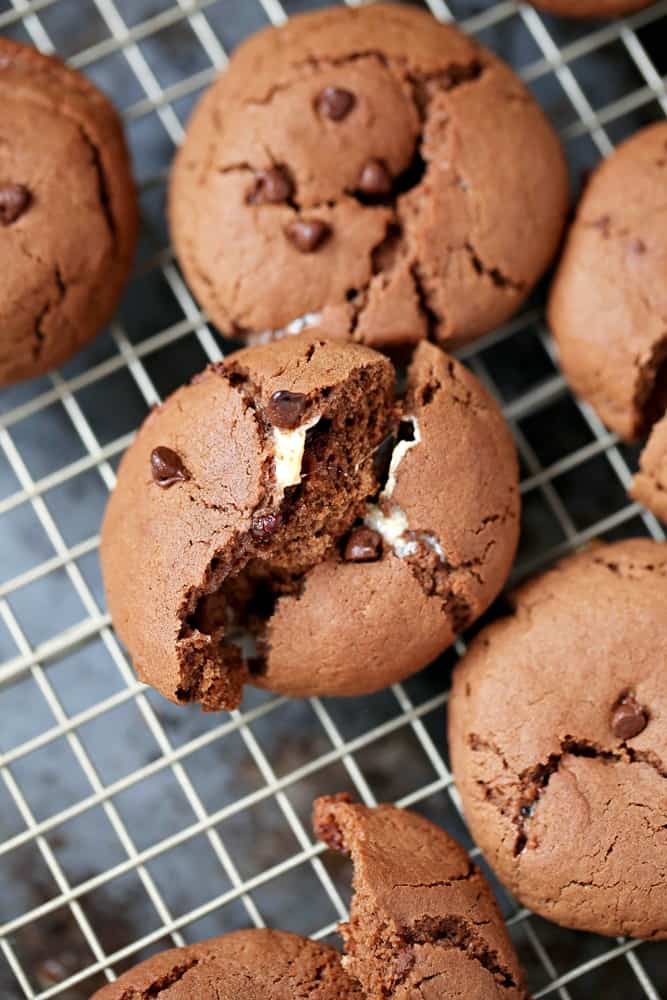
363	545
264	524
286	409
270	188
167	467
307	234
14	200
375	180
335	103
628	718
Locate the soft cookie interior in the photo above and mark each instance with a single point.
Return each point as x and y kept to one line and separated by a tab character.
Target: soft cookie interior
318	477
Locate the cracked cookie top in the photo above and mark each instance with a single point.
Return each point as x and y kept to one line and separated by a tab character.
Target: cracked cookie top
608	302
558	740
423	920
250	964
370	172
285	508
68	214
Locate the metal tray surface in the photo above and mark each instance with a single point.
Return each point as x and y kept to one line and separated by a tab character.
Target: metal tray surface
128	824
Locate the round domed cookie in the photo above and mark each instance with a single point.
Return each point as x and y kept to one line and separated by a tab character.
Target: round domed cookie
608	301
558	741
380	192
68	212
591	8
252	965
423	920
649	486
285	508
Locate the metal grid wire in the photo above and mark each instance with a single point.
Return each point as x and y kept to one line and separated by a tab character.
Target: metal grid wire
127	824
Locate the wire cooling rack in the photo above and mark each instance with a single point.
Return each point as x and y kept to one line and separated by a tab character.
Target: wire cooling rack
128	824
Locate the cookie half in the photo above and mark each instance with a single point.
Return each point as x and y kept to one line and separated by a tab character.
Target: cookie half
423	920
286	508
251	964
380	193
558	740
68	212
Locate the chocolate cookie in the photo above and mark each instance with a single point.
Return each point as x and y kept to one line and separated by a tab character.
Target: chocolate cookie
423	920
591	8
608	302
68	213
380	193
558	740
284	509
244	965
649	486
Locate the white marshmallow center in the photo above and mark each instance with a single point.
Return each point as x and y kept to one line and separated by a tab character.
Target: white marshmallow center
288	452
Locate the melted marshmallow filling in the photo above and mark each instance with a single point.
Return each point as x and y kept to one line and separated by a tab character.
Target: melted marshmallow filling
289	447
393	527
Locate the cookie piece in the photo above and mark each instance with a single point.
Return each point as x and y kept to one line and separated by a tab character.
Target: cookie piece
68	212
608	302
259	531
448	520
382	194
649	486
423	920
251	964
558	740
591	8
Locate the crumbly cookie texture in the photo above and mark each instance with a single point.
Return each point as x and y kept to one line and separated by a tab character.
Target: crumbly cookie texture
558	740
68	212
370	172
286	508
250	964
649	486
423	920
608	302
591	8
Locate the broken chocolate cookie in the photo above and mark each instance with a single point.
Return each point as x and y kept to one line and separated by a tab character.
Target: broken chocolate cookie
403	183
558	741
243	965
264	542
423	920
68	212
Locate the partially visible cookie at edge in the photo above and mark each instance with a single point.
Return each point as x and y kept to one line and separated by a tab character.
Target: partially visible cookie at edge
385	194
608	302
423	920
68	211
558	741
649	485
591	8
251	964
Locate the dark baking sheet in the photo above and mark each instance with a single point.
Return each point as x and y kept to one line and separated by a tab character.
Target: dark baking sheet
170	769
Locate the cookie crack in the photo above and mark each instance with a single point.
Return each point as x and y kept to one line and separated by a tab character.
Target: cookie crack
39	332
170	978
461	934
104	196
631	570
534	781
494	274
650	396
